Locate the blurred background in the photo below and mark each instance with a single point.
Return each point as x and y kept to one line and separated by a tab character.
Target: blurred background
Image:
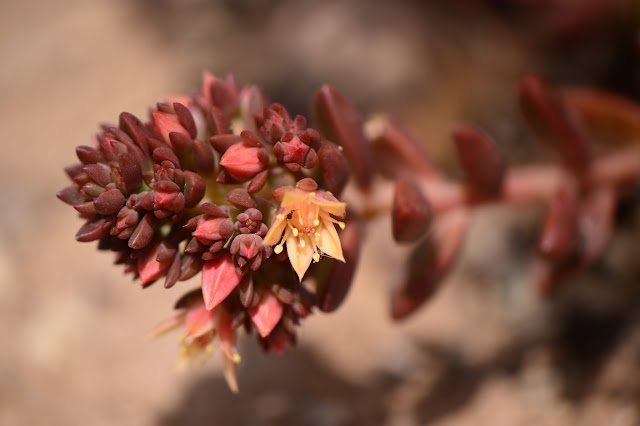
484	351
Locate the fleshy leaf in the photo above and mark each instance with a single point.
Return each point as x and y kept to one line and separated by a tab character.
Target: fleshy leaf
266	314
219	278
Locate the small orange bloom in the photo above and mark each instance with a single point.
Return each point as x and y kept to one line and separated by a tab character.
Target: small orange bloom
304	221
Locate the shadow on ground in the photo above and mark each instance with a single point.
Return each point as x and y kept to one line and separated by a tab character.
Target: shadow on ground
298	389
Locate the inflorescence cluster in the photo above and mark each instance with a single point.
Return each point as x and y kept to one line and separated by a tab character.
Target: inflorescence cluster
224	184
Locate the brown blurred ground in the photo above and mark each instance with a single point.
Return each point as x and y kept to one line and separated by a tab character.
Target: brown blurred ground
485	351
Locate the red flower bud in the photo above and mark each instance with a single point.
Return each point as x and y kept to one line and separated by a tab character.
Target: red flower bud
165	123
242	162
294	153
211	230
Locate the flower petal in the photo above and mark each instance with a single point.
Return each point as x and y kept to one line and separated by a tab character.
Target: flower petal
334	208
328	241
300	256
274	235
292	198
219	278
198	322
230	374
167	325
227	336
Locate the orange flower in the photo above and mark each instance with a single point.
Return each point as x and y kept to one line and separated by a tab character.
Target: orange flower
304	221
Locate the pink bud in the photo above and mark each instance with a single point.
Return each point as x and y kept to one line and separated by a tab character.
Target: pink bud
211	230
219	93
243	162
164	123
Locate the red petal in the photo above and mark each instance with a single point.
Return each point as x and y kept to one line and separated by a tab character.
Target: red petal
219	278
266	314
198	322
227	336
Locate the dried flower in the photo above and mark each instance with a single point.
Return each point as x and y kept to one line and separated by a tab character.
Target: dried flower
202	327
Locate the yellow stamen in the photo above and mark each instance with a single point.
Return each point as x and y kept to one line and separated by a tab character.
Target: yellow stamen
312	195
278	249
236	358
295	232
316	257
316	222
302	243
341	225
281	217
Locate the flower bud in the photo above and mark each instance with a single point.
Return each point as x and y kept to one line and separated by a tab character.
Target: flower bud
165	123
242	162
248	252
294	154
250	222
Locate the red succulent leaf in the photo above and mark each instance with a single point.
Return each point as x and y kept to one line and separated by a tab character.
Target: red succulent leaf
411	214
613	118
95	229
428	264
335	171
266	314
341	123
185	118
219	278
241	197
194	189
149	267
144	232
555	123
333	291
482	161
71	195
398	152
560	236
109	202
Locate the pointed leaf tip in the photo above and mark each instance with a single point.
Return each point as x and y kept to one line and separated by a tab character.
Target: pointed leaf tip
219	278
266	314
